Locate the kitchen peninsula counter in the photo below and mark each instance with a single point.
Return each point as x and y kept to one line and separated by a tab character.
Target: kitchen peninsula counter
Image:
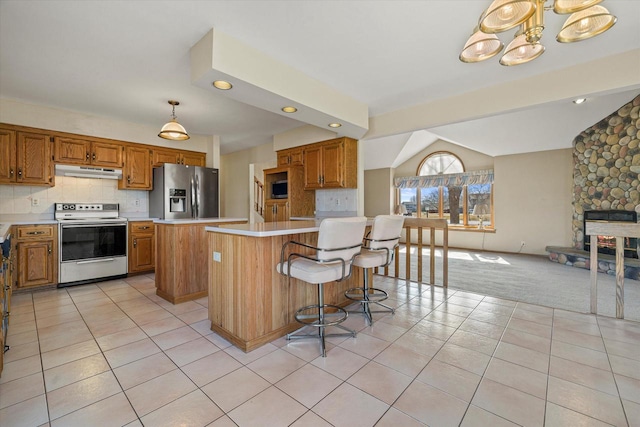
181	254
250	303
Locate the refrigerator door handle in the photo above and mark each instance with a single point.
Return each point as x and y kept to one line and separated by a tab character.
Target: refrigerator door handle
197	196
193	198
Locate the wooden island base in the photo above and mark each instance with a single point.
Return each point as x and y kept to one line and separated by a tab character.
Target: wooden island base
250	303
181	257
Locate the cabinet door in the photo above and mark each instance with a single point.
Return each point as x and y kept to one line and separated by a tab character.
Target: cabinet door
160	157
193	159
282	211
142	248
7	156
34	159
35	263
332	165
106	154
296	157
276	210
137	171
72	151
313	167
283	158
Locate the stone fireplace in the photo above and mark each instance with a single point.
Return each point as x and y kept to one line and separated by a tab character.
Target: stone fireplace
606	167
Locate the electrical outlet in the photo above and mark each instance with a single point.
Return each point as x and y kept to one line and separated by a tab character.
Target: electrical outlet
337	202
35	201
217	257
137	203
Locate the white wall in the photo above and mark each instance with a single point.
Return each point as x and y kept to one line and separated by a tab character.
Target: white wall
235	181
379	193
532	199
307	134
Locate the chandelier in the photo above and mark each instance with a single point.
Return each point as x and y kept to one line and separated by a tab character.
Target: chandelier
587	20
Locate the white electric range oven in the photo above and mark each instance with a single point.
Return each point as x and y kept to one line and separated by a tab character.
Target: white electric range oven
93	243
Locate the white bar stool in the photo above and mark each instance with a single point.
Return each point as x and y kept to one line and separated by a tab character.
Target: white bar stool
380	245
339	241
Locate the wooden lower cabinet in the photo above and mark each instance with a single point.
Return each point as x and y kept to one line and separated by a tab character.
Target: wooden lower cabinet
276	210
142	246
36	251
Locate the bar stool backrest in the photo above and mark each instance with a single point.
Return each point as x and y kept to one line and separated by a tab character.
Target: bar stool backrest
336	233
385	232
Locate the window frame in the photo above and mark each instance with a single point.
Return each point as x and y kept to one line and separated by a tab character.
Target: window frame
489	226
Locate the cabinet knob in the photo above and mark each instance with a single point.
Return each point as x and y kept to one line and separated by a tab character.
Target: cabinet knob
87	155
11	172
20	172
93	156
49	249
129	179
145	227
135	243
35	233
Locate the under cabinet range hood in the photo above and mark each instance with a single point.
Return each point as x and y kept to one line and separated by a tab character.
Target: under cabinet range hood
88	172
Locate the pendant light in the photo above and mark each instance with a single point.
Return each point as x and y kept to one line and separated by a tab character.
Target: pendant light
173	130
480	46
585	24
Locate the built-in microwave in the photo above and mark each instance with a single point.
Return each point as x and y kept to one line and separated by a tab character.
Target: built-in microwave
279	189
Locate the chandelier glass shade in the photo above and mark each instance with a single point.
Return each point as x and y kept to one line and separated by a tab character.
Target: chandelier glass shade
173	130
587	20
480	46
520	51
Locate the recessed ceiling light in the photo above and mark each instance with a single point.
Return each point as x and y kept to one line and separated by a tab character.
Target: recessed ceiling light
335	125
289	109
222	85
579	100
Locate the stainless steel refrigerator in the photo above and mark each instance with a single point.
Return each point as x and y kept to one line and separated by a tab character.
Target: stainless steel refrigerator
183	192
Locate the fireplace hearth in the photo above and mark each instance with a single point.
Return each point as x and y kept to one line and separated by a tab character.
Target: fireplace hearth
607	244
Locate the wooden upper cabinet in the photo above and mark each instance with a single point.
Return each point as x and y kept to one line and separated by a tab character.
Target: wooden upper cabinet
7	156
291	157
137	169
84	152
107	154
72	151
160	157
331	164
193	158
313	167
33	159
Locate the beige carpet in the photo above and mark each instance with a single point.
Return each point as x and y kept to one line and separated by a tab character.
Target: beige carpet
528	278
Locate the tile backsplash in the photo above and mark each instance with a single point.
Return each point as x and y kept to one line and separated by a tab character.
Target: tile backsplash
342	200
23	199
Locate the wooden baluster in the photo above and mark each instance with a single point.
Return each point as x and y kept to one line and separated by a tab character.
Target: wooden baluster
419	254
445	256
408	254
432	252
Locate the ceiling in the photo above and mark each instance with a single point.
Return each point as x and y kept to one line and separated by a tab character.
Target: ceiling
124	60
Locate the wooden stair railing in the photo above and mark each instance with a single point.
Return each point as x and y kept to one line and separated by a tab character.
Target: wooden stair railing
421	224
258	196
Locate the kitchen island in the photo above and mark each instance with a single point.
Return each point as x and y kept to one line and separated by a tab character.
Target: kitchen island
250	303
181	256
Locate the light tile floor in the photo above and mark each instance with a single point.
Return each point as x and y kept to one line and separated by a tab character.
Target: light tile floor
114	354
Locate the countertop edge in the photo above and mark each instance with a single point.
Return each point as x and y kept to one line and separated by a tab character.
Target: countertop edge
197	221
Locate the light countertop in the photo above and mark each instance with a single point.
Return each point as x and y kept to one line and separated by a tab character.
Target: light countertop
197	221
5	225
266	229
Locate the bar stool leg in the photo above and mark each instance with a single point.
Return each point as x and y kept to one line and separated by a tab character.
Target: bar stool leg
321	319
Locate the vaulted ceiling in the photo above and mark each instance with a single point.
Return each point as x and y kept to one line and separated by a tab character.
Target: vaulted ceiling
399	59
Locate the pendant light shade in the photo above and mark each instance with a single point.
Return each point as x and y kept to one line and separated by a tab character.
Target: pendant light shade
481	46
520	51
586	24
503	15
173	130
572	6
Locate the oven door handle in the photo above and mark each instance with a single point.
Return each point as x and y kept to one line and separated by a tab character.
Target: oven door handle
93	261
105	224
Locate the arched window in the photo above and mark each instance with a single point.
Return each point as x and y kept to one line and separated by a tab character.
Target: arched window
464	205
